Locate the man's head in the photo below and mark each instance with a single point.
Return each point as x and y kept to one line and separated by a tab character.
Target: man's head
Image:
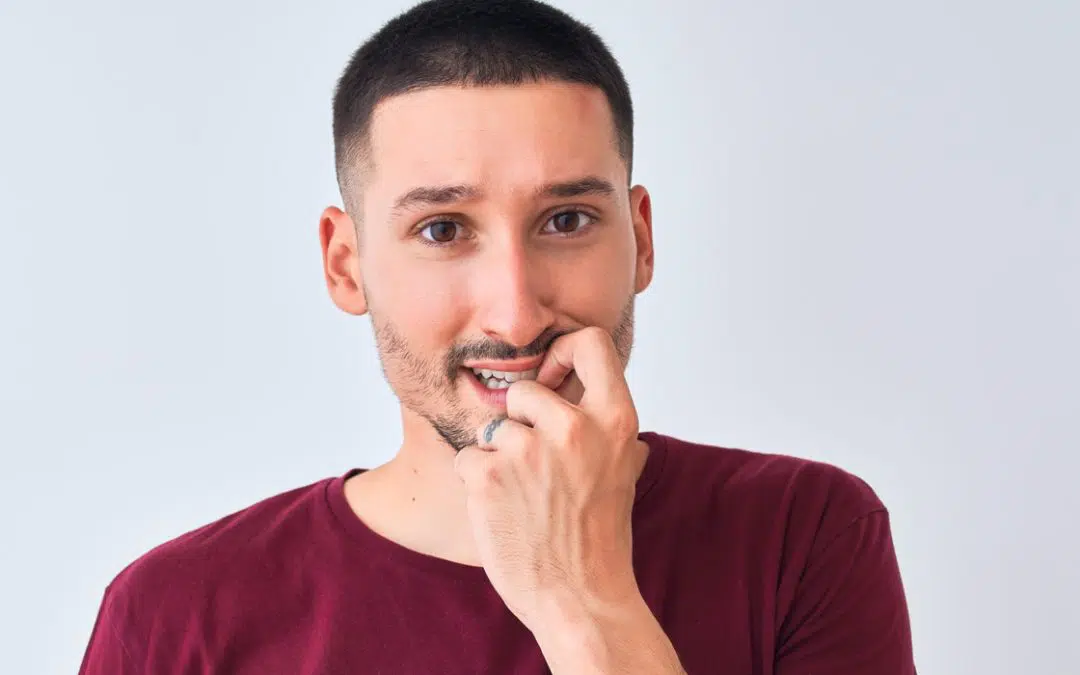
483	152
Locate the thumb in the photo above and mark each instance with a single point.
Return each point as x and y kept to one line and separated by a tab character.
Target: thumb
471	464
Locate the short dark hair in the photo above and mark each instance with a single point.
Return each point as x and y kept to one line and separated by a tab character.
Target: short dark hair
472	43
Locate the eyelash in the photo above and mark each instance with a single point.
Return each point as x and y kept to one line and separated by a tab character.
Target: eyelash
568	235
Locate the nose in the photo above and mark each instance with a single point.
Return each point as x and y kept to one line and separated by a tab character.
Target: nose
515	295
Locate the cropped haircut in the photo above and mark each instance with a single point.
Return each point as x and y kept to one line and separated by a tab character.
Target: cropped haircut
470	43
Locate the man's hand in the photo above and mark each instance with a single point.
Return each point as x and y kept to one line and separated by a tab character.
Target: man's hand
550	494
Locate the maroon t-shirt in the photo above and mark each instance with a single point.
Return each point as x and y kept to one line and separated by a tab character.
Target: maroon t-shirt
754	564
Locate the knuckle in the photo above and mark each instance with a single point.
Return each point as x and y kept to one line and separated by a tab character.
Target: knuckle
531	455
516	391
623	422
490	478
573	426
596	335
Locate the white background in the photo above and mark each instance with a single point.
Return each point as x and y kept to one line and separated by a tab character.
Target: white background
867	231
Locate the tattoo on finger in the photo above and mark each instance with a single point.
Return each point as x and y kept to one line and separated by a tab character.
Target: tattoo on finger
489	430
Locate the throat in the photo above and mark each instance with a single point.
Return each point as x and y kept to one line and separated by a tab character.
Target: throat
402	508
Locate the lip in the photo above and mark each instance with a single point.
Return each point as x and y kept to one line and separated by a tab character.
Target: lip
514	366
495	398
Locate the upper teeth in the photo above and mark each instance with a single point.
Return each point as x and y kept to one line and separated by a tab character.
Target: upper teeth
505	375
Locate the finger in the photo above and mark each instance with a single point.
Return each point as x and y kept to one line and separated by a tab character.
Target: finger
475	466
529	402
591	355
498	443
501	433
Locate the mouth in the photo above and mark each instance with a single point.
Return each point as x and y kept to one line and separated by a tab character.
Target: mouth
501	379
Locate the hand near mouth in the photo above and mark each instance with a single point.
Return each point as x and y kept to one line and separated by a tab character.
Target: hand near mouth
550	492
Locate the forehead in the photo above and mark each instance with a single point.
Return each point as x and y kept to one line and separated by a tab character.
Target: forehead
505	137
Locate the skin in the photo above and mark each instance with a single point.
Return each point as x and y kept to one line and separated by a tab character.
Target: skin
513	279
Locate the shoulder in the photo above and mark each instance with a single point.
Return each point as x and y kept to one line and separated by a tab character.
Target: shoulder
180	579
808	540
764	491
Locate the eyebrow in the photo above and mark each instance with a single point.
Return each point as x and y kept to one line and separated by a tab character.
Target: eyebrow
441	195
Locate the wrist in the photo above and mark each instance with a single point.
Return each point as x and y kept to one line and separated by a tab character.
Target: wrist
569	614
590	637
573	635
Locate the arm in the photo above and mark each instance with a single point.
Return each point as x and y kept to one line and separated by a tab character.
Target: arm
623	640
106	653
848	616
849	613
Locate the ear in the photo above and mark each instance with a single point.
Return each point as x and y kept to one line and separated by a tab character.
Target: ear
341	264
641	214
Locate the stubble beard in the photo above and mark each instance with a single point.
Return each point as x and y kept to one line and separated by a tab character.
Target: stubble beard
423	386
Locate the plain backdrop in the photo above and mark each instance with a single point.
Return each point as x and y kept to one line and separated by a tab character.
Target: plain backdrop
867	229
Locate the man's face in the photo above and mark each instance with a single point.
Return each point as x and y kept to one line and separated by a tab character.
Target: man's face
494	220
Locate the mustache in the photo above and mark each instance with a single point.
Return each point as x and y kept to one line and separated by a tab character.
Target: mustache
498	351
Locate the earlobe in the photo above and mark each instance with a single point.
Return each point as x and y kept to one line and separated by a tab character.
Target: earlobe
641	212
341	264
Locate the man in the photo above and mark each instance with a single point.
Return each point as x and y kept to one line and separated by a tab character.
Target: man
526	525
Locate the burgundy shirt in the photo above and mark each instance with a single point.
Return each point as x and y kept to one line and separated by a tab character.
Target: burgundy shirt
754	564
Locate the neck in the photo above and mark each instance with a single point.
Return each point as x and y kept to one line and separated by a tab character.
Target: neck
417	499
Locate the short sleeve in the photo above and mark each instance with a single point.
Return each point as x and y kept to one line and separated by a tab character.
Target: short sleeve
106	654
849	615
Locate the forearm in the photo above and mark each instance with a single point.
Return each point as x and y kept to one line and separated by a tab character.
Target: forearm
624	640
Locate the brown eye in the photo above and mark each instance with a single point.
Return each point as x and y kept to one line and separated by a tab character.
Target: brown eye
569	222
441	232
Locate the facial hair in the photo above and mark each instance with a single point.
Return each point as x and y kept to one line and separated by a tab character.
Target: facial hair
423	384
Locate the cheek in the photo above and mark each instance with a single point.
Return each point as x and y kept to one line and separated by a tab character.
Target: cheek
420	301
594	288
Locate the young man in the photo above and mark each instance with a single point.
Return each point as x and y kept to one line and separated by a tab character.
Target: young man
526	525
